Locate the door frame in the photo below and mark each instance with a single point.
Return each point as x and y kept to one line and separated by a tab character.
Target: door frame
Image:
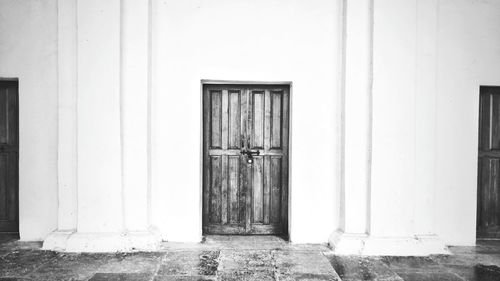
15	81
289	84
483	88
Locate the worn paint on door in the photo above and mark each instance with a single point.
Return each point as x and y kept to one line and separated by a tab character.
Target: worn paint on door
9	147
245	159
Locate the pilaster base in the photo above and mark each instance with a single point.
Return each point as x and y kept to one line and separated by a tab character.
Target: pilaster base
367	245
65	241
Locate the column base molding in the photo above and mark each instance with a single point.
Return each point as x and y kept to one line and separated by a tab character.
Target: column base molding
367	245
70	241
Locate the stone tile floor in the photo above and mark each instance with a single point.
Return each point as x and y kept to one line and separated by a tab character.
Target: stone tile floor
243	258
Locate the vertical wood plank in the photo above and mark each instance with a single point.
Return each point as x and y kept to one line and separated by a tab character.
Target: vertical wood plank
275	189
276	119
258	192
249	119
486	191
267	120
224	191
242	199
13	119
11	180
495	122
225	119
493	209
245	166
206	161
479	213
244	174
4	163
484	122
234	119
258	119
234	189
4	112
248	196
216	119
215	196
496	219
3	186
267	188
13	170
285	160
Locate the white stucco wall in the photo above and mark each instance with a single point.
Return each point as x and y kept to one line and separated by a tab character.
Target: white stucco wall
28	51
429	59
260	40
393	143
403	142
469	56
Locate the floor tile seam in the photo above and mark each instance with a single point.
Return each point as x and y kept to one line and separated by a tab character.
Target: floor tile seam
398	276
268	249
39	267
394	274
184	275
457	275
331	266
219	269
420	270
161	259
276	271
4	255
383	264
186	251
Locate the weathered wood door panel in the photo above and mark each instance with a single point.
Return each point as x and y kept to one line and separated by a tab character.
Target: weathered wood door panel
245	183
9	146
488	195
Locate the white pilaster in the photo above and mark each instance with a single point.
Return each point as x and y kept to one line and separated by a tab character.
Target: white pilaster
389	101
425	101
134	106
67	92
99	146
357	115
357	91
106	61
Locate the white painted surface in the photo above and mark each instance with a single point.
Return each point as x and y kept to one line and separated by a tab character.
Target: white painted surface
100	202
28	51
67	130
367	245
429	58
109	242
357	115
245	40
134	112
393	164
468	56
425	122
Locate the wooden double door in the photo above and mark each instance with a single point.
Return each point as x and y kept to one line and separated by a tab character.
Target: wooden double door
488	193
9	147
245	159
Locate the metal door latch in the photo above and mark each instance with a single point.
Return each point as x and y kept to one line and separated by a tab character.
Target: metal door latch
250	154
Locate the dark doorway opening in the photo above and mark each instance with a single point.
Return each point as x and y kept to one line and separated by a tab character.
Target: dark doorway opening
245	159
9	157
488	180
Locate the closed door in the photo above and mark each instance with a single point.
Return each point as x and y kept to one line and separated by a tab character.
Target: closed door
9	146
245	163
